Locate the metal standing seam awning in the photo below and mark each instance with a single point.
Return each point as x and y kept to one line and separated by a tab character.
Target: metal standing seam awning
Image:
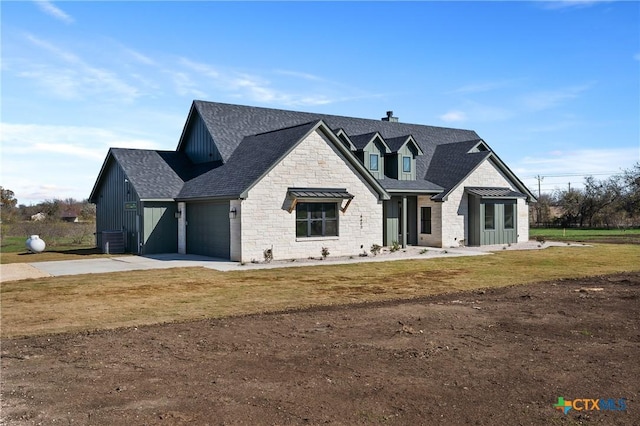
317	194
495	192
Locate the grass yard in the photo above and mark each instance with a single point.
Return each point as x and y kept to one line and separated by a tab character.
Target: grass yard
624	236
13	250
85	302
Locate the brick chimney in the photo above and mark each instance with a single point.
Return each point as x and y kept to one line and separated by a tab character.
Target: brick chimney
390	117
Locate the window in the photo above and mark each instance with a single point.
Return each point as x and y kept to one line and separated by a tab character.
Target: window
316	219
406	164
373	162
509	216
425	220
489	217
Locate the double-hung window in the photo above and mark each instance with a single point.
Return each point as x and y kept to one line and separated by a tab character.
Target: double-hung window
373	162
316	220
406	164
509	216
489	217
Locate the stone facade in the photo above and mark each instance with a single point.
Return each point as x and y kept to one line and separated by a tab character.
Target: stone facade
264	221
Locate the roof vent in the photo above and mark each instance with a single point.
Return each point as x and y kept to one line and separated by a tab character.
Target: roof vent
390	117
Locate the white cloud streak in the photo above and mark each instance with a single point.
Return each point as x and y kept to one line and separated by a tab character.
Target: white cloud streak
88	143
74	78
53	11
548	99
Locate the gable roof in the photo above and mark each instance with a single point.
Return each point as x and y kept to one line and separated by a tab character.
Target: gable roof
152	174
229	124
361	141
251	141
396	144
452	163
255	157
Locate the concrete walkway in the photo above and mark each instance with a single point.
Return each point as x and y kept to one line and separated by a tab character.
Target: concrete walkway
19	271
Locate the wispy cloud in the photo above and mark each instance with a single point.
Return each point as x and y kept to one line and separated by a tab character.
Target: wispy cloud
565	4
198	78
89	143
54	11
547	99
487	86
559	167
74	78
453	117
476	112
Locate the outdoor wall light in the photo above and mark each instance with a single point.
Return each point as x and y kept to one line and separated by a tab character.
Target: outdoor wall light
178	214
232	213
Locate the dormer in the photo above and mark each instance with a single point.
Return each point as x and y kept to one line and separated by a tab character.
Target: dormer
346	141
371	149
479	147
401	160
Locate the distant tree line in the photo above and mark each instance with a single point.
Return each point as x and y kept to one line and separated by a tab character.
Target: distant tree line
608	203
48	210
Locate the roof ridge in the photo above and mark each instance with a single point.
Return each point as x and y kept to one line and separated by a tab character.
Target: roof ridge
314	122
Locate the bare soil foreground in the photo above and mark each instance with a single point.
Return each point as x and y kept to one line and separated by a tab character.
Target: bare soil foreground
495	356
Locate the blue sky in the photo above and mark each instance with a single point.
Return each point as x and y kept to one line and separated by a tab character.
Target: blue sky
552	87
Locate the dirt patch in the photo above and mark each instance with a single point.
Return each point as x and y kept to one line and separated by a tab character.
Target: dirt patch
495	356
20	271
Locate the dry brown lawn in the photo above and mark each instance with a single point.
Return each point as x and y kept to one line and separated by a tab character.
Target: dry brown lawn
97	301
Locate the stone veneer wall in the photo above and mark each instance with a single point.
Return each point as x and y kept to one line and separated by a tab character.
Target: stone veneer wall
435	238
265	221
455	210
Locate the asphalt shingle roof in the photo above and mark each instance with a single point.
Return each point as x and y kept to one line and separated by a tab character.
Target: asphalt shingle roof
156	174
249	161
252	139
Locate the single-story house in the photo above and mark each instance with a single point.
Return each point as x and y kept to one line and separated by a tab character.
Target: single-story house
246	179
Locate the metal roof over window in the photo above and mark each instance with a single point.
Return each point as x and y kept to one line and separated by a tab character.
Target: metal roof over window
340	193
495	192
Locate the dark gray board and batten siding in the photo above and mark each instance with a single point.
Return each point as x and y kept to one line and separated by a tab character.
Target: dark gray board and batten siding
111	215
199	145
208	231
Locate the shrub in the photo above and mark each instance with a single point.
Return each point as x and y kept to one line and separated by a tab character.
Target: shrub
324	252
395	246
268	255
375	249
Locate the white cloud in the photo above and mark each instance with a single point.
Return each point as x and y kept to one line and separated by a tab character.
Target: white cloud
453	116
74	78
483	87
73	141
543	100
51	10
559	168
46	161
565	4
256	87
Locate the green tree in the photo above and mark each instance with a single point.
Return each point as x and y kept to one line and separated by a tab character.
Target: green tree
8	204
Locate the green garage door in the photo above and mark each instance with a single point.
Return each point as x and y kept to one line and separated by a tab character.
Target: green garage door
160	228
208	229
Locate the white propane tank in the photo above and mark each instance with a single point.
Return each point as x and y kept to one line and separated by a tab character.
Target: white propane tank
35	244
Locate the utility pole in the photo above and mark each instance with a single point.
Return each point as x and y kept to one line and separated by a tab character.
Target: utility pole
569	186
540	179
